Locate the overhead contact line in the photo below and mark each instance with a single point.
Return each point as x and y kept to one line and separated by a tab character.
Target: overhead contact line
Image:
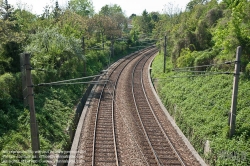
225	63
64	81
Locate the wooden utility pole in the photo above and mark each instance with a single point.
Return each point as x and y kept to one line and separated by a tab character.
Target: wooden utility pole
30	96
165	54
235	92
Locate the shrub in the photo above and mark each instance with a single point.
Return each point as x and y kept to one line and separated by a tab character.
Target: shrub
186	58
5	81
248	70
204	58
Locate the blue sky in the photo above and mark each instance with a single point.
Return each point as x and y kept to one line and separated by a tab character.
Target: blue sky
128	6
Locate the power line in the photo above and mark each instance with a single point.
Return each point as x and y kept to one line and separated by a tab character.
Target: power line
95	48
40	69
200	75
57	82
225	63
142	46
190	71
73	83
56	72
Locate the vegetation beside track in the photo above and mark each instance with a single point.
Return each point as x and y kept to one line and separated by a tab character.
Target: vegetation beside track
200	107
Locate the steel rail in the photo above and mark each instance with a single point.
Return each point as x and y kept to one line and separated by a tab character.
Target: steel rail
113	119
94	137
113	125
115	87
143	128
155	117
157	120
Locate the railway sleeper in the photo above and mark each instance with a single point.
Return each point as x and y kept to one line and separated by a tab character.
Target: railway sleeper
104	123
104	120
104	138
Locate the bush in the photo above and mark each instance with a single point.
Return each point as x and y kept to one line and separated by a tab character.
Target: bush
186	58
204	58
248	70
6	80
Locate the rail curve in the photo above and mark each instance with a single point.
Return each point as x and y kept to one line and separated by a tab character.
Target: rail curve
122	127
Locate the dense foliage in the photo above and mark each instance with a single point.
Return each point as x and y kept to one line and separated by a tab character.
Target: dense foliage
207	32
200	106
74	42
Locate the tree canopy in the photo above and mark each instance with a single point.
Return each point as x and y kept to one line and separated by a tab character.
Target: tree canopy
82	7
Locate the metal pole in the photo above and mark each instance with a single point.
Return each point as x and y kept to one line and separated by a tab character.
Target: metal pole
235	92
33	124
165	54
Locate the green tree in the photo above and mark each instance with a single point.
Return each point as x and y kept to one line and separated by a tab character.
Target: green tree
11	40
57	11
111	10
82	7
100	25
193	3
155	16
118	20
26	21
72	24
53	51
132	16
237	32
144	23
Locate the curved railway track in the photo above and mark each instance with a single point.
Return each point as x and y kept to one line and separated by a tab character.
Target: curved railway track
162	148
121	126
103	146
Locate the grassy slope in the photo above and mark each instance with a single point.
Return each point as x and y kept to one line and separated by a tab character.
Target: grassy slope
200	106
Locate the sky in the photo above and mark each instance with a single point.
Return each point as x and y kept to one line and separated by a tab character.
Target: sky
128	6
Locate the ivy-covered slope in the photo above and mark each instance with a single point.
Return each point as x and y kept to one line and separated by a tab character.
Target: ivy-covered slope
200	107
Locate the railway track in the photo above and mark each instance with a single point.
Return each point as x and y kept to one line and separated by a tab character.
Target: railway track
121	126
102	148
159	143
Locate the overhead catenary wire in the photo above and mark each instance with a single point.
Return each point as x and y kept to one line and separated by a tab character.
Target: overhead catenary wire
209	65
143	45
191	71
57	72
73	83
63	81
95	49
200	75
135	47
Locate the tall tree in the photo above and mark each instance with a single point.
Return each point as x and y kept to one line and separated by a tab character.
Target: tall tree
144	23
72	24
193	3
111	10
132	16
57	11
82	7
10	39
117	20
